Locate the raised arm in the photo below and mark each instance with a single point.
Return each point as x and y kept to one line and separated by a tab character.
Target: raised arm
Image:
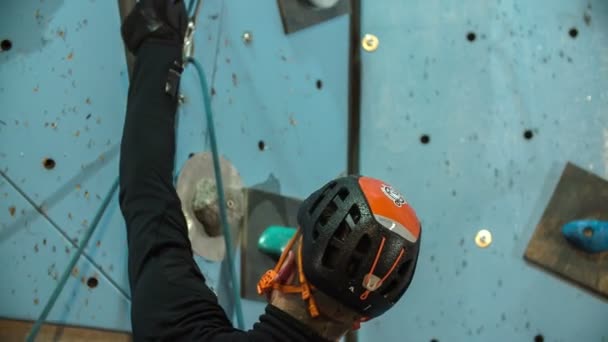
170	300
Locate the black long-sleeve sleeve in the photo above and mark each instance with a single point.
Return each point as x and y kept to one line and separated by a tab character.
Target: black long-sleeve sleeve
170	300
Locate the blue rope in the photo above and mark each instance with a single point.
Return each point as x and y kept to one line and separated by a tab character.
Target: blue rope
191	6
68	270
220	192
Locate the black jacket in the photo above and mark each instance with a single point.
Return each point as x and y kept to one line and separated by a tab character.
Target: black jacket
171	301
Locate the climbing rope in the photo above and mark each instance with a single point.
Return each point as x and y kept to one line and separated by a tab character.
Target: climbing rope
220	193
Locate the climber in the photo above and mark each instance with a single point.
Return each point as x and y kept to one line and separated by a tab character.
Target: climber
352	259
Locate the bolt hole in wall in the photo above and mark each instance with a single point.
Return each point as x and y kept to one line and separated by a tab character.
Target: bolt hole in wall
573	32
319	84
6	45
261	145
471	36
528	134
92	282
48	163
588	231
425	139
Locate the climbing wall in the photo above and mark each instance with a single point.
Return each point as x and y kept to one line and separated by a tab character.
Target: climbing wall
62	90
470	108
280	109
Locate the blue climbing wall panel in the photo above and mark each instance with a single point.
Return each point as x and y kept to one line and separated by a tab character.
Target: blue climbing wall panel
472	76
64	85
61	87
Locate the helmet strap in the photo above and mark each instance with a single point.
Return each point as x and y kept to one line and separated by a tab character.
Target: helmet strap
372	282
270	280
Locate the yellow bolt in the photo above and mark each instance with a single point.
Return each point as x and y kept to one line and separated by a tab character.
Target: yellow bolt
369	42
483	238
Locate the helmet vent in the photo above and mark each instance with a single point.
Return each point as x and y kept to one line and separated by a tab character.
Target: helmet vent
343	193
315	233
404	267
321	197
353	266
364	244
331	256
342	232
355	213
315	205
329	210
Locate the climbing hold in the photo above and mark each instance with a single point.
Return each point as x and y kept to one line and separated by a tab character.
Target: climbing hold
274	239
589	235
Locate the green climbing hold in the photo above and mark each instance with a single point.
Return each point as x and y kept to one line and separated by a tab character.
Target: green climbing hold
273	240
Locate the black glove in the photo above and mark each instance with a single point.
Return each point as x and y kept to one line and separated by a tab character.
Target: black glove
160	20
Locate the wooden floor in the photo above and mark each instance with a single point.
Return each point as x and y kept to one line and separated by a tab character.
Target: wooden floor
12	330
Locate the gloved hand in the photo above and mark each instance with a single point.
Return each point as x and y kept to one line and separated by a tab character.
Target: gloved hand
159	20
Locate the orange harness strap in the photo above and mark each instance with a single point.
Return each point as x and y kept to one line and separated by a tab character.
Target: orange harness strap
268	280
306	295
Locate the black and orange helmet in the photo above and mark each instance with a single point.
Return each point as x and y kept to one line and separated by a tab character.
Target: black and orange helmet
360	240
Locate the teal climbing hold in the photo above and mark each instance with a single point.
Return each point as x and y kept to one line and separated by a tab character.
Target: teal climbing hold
274	239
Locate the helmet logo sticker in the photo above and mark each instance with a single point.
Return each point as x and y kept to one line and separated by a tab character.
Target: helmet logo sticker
393	194
390	208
